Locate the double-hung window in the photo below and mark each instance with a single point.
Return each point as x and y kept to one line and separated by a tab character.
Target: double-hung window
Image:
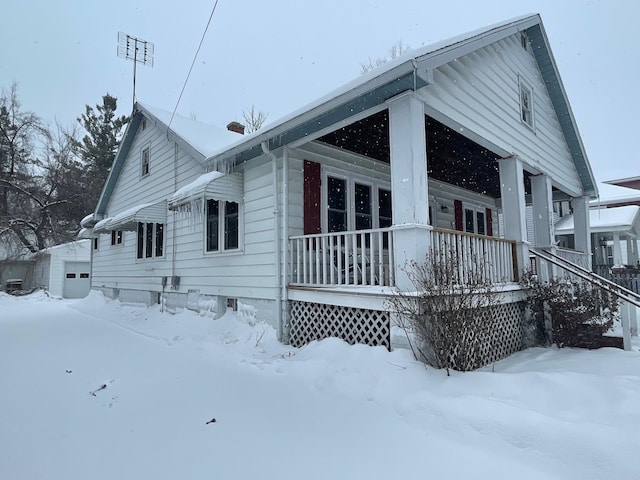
145	160
526	103
222	226
475	221
150	241
355	204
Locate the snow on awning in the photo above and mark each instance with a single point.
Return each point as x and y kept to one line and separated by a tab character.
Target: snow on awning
86	233
88	221
214	185
129	219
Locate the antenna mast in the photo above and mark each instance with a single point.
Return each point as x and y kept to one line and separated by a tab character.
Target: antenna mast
136	49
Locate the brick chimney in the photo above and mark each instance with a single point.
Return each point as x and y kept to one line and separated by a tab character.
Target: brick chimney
236	127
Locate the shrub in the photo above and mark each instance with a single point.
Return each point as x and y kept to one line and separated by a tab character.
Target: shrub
447	322
573	307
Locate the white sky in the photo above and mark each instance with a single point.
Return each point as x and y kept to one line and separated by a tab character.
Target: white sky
282	54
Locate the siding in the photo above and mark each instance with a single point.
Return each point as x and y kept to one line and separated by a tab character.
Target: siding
248	273
481	91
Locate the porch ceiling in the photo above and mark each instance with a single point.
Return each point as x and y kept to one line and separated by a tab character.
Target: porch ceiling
452	157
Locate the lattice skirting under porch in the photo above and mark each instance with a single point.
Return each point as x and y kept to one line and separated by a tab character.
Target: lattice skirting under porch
506	334
315	321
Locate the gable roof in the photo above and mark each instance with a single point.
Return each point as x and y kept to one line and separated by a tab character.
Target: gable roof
198	139
411	72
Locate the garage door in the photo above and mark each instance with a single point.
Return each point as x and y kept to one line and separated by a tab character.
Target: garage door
76	279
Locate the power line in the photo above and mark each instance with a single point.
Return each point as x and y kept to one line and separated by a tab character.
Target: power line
193	63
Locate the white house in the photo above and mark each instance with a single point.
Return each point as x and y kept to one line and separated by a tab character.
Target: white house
64	270
309	221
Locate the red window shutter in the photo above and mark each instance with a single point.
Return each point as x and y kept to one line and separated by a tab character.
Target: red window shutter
312	198
489	222
458	214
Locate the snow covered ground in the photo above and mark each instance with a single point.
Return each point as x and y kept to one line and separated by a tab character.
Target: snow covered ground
94	389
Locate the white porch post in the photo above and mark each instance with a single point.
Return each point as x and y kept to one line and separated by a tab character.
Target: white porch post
409	195
513	208
541	194
617	251
581	224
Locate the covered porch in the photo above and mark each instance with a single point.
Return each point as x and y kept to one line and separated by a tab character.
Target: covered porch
448	187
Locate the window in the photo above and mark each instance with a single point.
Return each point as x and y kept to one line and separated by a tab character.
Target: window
95	244
223	226
150	241
336	204
524	41
144	162
526	104
84	275
475	220
352	204
116	237
363	210
385	218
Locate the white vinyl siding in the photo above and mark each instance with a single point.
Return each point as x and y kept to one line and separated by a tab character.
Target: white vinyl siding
481	91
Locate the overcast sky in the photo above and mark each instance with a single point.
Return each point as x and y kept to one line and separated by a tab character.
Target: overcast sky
282	54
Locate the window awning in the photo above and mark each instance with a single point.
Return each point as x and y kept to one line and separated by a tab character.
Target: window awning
86	233
214	185
129	219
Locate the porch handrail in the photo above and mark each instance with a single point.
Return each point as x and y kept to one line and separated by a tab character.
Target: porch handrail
360	257
479	257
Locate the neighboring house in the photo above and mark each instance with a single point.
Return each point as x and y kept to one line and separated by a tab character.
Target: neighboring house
310	222
65	270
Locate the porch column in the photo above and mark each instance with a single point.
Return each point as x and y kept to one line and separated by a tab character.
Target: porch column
581	224
541	194
617	251
409	195
513	208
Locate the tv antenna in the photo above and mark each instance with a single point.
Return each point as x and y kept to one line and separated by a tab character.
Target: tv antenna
136	49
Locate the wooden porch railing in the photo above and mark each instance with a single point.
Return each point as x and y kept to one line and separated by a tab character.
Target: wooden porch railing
366	257
363	257
477	257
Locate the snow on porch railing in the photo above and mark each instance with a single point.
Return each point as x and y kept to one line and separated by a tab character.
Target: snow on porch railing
363	257
477	257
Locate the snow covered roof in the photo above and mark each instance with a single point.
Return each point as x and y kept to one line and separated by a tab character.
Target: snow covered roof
204	139
620	219
408	72
77	245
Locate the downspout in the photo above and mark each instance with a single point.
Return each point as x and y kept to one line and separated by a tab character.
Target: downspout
173	216
285	239
276	237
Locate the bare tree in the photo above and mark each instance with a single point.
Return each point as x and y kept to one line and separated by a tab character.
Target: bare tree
253	119
396	50
41	180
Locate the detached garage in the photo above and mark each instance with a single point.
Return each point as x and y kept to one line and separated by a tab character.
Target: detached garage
65	270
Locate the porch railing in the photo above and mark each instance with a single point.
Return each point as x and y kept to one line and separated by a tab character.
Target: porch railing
363	257
476	258
579	258
366	257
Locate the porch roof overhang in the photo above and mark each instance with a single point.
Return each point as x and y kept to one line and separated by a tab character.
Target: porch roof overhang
214	185
129	219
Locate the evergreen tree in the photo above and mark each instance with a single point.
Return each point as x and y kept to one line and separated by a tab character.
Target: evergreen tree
98	147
